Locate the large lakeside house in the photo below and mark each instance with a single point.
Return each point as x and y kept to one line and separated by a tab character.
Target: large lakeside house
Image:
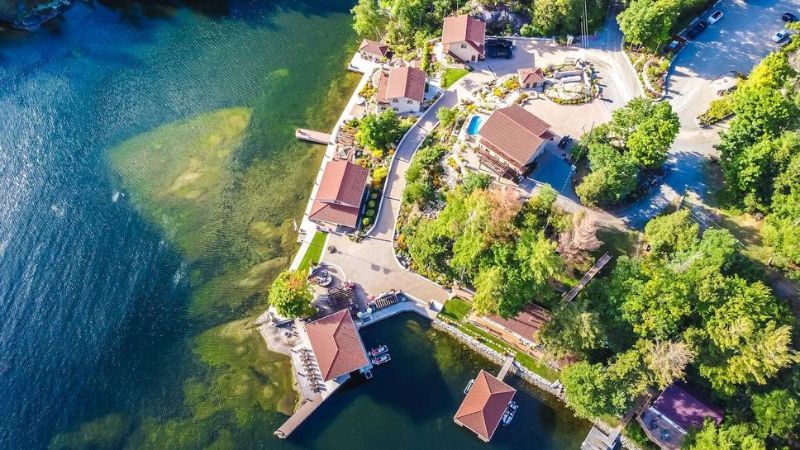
484	405
340	194
519	330
401	89
464	38
674	413
337	346
511	139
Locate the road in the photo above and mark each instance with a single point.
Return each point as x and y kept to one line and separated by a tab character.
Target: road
737	42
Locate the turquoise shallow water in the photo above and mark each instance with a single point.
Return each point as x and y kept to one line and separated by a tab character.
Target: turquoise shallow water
98	335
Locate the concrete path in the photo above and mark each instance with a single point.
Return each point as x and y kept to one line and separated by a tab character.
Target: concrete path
371	262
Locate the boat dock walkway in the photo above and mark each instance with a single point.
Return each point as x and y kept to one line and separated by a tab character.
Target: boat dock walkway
597	267
506	367
316	137
299	416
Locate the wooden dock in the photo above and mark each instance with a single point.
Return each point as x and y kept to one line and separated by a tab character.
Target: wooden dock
598	265
506	367
299	416
317	137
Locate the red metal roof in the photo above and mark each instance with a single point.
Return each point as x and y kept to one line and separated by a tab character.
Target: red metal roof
336	344
406	82
484	405
374	47
340	193
464	29
527	322
514	133
683	408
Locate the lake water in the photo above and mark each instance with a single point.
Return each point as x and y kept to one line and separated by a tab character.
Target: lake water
148	180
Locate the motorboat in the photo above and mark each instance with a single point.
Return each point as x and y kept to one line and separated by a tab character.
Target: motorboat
469	386
382	359
508	416
378	350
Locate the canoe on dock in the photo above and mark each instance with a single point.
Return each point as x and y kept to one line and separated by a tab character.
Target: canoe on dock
316	137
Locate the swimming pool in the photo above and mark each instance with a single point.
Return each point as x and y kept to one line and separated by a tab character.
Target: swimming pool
474	125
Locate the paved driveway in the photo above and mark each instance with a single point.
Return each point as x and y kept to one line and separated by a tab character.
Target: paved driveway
737	42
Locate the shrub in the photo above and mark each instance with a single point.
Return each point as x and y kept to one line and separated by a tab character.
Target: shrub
378	175
527	30
717	111
373	196
370	212
371	204
365	221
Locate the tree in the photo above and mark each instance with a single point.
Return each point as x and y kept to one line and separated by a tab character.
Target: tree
590	391
290	295
732	437
777	413
380	132
368	18
648	22
488	288
556	17
672	233
613	178
447	116
581	238
649	143
667	361
573	330
659	306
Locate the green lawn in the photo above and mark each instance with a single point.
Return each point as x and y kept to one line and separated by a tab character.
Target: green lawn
497	344
456	309
314	251
451	76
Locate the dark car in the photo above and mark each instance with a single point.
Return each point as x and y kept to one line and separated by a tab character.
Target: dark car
504	43
564	142
499	52
785	42
696	29
789	17
674	45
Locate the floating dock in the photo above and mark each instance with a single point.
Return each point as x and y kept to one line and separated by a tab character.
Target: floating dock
506	366
298	418
317	137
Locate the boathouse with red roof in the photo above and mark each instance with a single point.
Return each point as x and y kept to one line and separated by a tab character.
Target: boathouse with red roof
337	345
484	405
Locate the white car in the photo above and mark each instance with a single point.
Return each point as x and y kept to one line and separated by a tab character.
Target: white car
780	35
714	18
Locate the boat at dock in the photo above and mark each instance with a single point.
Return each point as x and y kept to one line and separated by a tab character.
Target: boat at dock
508	416
378	350
382	359
469	386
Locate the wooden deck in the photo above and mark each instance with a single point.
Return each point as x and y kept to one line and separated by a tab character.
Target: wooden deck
299	416
598	265
506	366
316	137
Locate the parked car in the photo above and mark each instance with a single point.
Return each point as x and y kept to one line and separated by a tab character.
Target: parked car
696	29
785	42
789	17
714	18
674	45
780	35
499	52
505	43
564	142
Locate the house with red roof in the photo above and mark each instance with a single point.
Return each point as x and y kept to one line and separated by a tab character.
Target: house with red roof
530	78
520	329
484	405
674	413
511	139
464	38
373	50
341	191
337	345
401	89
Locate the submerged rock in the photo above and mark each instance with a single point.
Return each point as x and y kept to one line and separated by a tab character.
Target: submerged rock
31	14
